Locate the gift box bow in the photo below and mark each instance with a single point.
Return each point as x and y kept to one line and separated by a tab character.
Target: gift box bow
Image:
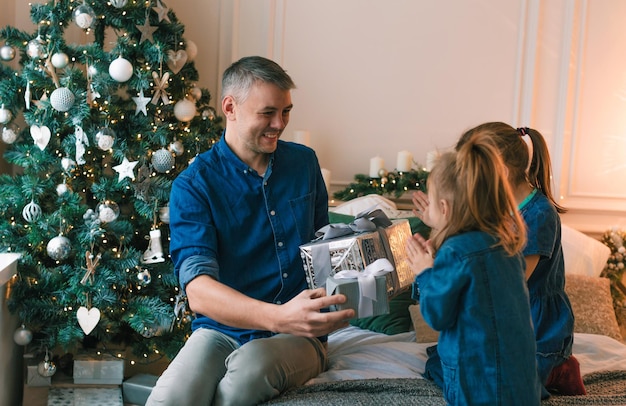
368	220
367	283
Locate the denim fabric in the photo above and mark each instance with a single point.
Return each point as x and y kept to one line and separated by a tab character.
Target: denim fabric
551	310
244	229
476	296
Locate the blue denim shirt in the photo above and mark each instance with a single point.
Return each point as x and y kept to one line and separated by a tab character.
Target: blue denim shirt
245	230
551	310
476	296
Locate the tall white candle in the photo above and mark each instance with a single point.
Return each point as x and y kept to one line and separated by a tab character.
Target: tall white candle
302	137
431	158
404	161
376	164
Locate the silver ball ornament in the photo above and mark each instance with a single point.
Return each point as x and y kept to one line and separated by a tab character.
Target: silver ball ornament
59	248
46	368
8	135
208	114
121	70
36	48
84	16
22	336
177	148
184	110
164	214
162	160
144	277
7	53
62	99
60	60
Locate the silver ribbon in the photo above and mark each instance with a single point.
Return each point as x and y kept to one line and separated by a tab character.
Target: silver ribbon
368	220
367	283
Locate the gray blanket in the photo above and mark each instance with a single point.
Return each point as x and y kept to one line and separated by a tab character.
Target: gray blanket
603	388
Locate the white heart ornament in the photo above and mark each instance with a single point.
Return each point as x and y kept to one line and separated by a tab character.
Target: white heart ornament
41	136
88	319
176	60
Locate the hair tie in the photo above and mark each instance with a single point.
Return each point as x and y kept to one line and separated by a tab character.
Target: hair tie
524	133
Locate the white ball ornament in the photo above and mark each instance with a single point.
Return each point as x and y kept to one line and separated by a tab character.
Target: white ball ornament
7	53
184	110
144	276
121	70
108	211
8	135
22	336
164	214
196	93
162	160
192	51
105	138
31	212
60	60
62	188
59	248
68	164
5	115
62	99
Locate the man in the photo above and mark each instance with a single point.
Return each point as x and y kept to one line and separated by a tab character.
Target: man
238	215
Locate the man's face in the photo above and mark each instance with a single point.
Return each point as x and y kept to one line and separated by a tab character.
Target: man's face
260	119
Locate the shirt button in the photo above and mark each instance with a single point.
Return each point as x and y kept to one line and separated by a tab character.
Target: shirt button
245	171
278	302
285	275
264	183
280	243
273	213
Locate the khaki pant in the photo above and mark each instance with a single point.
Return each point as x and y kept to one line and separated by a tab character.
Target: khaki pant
213	369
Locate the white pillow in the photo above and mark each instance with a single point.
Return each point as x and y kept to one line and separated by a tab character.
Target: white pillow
360	204
582	254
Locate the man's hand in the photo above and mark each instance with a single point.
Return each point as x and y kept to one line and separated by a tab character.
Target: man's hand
419	254
301	315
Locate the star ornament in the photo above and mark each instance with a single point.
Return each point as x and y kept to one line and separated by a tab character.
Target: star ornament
125	169
162	11
141	101
146	31
160	88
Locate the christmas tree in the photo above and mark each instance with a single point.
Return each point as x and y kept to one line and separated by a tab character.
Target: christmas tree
97	131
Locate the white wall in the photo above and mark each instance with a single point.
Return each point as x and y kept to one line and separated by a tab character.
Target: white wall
376	77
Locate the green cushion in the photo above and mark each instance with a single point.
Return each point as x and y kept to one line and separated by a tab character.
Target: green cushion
398	320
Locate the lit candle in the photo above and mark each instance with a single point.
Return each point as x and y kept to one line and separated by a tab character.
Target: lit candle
302	137
404	162
376	164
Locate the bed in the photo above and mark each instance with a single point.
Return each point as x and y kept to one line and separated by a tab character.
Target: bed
377	362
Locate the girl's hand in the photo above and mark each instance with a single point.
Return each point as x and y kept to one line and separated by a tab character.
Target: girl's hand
420	201
420	254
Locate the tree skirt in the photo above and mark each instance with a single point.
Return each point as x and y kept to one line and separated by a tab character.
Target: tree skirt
603	388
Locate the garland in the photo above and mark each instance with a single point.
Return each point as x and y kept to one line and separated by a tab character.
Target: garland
389	183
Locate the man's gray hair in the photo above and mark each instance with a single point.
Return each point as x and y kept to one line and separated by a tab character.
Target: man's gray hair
239	77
